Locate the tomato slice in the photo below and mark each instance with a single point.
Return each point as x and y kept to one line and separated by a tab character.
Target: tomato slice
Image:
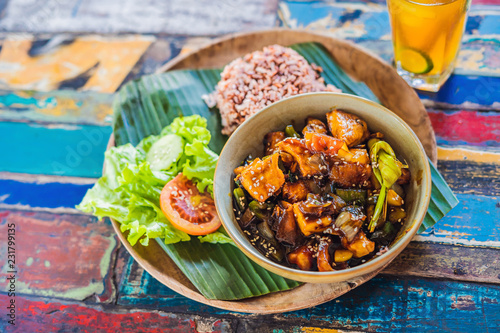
188	209
322	143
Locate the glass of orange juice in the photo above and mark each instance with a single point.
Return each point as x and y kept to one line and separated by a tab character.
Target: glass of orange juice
426	36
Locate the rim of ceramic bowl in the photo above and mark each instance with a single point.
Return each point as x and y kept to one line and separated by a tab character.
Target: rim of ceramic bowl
309	276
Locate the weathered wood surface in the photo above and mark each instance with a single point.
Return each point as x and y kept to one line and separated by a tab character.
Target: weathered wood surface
61	255
175	17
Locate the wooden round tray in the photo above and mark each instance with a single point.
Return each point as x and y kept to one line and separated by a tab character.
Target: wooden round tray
392	91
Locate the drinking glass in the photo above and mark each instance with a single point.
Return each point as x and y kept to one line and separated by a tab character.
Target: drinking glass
426	35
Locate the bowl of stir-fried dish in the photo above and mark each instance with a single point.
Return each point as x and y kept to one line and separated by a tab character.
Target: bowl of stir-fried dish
322	187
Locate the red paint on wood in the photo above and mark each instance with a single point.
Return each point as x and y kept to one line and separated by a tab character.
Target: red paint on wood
36	316
469	126
486	2
60	254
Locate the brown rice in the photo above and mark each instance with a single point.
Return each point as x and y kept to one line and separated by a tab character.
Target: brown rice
260	78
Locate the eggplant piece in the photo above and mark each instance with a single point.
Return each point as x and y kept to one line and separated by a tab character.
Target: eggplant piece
302	257
262	178
283	222
352	195
314	126
324	262
347	127
246	218
385	235
360	246
295	192
270	141
350	221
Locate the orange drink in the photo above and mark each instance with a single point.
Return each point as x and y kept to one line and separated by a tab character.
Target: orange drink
426	36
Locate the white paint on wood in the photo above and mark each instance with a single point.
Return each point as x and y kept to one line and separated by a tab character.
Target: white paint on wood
178	17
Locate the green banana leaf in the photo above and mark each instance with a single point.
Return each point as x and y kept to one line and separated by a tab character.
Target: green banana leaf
144	106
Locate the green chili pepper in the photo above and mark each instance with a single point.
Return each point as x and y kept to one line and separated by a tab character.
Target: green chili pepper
291	132
241	200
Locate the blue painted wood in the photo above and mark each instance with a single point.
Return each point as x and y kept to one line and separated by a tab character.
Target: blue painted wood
374	18
45	195
475	220
459	89
53	149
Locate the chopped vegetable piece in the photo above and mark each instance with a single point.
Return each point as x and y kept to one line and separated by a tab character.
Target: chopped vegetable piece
239	196
188	209
384	235
322	143
295	192
262	179
258	209
270	141
350	174
405	177
350	221
265	231
314	126
352	195
342	255
291	132
247	218
347	127
309	164
396	215
283	222
394	199
324	256
302	257
360	246
164	152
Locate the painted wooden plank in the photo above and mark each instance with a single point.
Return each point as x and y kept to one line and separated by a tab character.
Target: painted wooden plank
69	150
26	194
175	17
59	106
477	56
87	63
61	255
35	315
385	303
368	25
478	155
464	91
470	177
466	127
369	20
474	221
441	261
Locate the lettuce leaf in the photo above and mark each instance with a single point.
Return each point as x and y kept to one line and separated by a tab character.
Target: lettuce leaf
129	191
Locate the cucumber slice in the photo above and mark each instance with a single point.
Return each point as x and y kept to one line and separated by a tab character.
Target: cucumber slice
415	61
164	152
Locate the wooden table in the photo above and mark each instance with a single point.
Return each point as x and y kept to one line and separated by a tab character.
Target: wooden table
58	78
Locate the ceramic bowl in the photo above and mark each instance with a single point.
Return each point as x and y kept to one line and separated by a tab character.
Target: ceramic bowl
247	139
